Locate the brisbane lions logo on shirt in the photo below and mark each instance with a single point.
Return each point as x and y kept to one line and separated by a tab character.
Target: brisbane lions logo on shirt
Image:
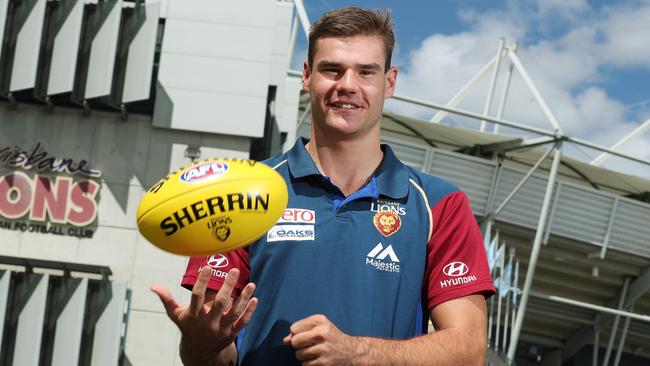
387	222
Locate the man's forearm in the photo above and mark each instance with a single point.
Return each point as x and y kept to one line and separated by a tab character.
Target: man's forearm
445	347
193	357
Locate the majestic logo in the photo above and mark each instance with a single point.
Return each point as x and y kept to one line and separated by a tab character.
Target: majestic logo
204	172
383	259
387	222
220	228
379	252
217	261
455	269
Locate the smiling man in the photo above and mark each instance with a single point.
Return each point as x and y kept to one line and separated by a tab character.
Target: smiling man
339	281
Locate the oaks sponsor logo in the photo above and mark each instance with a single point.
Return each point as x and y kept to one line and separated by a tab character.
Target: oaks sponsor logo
457	272
295	224
291	233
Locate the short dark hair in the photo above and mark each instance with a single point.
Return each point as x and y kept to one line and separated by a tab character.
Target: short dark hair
353	21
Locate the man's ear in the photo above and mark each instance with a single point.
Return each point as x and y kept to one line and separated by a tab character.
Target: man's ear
306	74
391	80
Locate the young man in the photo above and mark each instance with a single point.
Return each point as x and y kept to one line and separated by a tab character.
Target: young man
376	246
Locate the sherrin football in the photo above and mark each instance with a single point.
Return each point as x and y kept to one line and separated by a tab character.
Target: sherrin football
212	206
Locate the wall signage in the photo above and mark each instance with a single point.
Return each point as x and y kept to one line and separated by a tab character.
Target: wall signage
39	160
45	203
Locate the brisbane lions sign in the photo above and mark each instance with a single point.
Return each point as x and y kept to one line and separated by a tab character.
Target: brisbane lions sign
46	194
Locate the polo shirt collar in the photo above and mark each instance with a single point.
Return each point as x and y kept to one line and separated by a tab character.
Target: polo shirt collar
391	176
300	162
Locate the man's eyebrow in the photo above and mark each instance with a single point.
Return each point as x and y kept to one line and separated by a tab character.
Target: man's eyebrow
371	66
325	64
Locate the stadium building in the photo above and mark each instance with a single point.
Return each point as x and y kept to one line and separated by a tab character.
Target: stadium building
101	98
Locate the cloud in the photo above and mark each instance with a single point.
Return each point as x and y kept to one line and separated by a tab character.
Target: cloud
569	61
564	8
625	31
566	67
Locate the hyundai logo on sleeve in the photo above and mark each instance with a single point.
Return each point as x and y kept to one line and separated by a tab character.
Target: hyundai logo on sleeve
455	269
217	261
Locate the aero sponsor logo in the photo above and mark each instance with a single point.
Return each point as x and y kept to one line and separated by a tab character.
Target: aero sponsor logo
204	172
298	215
383	259
456	270
293	232
217	261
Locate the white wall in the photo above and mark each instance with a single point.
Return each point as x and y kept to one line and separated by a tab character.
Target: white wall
217	62
132	155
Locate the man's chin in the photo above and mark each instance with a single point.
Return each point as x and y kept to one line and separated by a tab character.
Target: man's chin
344	127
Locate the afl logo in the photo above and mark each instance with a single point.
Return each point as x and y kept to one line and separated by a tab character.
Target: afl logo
204	172
217	261
455	269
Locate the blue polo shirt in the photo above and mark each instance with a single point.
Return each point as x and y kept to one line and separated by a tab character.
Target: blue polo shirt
373	262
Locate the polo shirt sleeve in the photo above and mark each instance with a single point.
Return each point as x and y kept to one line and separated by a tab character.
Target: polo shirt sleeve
456	261
237	258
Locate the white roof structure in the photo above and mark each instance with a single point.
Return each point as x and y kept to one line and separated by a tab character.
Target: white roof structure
580	232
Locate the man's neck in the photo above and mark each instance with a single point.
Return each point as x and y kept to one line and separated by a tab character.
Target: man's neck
348	163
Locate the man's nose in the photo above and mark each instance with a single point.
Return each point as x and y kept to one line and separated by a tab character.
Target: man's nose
348	82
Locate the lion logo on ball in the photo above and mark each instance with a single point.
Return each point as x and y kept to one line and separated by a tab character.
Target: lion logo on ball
221	230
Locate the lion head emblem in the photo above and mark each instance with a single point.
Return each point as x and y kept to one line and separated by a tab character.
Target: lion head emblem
387	222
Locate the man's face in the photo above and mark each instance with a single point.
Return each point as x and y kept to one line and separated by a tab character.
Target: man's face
348	84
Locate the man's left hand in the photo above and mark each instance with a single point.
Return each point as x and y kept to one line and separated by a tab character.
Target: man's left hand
319	342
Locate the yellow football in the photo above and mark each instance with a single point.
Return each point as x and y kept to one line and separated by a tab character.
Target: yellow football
212	206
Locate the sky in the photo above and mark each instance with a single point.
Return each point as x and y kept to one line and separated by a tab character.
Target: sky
590	60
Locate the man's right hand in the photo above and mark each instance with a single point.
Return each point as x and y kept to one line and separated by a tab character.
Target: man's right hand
209	324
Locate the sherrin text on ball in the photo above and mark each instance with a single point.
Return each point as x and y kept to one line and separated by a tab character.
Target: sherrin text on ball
212	206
